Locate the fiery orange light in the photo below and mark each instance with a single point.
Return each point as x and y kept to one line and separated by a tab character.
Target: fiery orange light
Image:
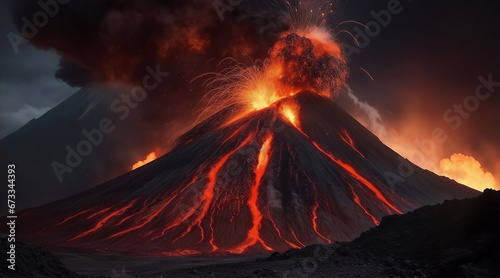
267	86
301	60
467	170
323	42
290	112
149	158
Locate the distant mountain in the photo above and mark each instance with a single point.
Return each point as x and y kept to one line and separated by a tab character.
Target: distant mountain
39	144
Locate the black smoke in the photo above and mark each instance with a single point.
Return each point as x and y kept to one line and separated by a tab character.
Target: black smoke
114	40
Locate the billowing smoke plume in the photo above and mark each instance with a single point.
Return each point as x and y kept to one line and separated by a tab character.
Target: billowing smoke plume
301	60
111	42
319	66
114	40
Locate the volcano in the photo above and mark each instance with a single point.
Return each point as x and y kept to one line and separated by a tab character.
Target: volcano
298	172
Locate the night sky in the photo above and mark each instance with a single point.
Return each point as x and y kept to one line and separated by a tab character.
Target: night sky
427	58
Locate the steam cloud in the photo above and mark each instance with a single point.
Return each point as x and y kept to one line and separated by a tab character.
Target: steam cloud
374	120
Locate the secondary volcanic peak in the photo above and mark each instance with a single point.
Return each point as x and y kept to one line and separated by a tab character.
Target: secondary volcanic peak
298	172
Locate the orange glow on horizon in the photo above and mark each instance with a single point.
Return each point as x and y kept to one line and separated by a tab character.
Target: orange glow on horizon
149	158
468	171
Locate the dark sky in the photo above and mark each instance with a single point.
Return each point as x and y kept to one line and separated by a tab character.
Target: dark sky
28	87
426	60
423	62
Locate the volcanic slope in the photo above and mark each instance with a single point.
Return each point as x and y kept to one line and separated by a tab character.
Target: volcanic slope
299	172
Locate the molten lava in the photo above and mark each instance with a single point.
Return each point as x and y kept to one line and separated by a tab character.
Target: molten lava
357	176
290	112
347	138
206	198
280	235
253	234
358	201
315	224
105	219
157	210
73	216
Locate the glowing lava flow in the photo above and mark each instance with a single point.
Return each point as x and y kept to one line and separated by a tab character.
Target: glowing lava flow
315	225
71	217
253	235
208	194
154	214
279	233
104	220
214	247
99	212
355	174
347	138
295	236
291	113
358	201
